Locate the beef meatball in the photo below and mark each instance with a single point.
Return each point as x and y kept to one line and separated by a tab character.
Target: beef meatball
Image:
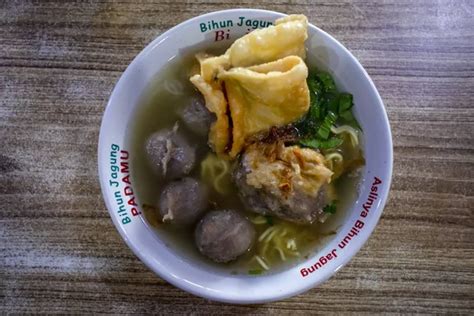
183	201
170	154
278	187
224	235
298	208
197	117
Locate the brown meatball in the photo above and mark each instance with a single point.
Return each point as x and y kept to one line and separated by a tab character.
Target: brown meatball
182	202
170	154
197	117
297	207
224	235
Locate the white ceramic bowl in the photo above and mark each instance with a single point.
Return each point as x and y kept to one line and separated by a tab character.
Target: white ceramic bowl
202	280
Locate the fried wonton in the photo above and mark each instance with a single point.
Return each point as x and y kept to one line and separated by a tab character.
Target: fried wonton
283	170
219	134
258	83
286	38
262	96
291	183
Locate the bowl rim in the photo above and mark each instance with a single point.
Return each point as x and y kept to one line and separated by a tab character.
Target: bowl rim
203	292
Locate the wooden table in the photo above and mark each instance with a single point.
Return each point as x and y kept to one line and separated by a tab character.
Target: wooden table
59	251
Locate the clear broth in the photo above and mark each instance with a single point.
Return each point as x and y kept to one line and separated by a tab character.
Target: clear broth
159	108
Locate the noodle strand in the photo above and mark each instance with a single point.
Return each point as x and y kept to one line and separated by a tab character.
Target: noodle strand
353	133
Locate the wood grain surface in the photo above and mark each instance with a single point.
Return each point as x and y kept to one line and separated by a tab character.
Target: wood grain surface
59	251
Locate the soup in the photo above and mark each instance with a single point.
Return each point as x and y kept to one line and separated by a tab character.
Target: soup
214	216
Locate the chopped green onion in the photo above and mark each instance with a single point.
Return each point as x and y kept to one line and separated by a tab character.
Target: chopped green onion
269	220
255	271
327	107
345	102
325	128
332	142
349	119
311	143
332	101
330	208
347	116
327	81
314	86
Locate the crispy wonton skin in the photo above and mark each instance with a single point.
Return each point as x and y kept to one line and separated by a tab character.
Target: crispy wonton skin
258	83
262	96
286	38
217	104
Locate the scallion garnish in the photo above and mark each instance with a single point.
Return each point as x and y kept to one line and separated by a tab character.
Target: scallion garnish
330	208
328	107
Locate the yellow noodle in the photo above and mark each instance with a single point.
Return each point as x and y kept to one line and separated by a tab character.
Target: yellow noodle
333	157
262	263
353	133
265	233
270	236
282	254
217	171
279	242
259	220
264	249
